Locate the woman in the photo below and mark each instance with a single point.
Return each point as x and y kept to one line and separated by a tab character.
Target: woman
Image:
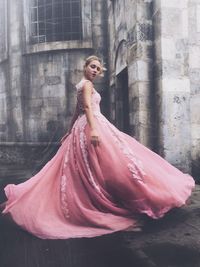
100	180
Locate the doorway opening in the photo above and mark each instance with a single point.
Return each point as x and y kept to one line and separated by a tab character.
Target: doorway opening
122	102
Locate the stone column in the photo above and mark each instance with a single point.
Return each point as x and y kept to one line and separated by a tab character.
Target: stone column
100	47
172	81
194	74
14	103
140	60
3	58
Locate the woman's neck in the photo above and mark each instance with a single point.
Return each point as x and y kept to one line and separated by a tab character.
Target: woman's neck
86	78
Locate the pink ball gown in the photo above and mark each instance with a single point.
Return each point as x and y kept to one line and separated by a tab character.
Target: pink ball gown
87	191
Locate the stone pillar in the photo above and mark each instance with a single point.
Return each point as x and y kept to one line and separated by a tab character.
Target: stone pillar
100	47
172	81
194	74
140	60
15	15
3	58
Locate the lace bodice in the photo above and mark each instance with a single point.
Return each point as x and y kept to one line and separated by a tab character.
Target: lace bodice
95	101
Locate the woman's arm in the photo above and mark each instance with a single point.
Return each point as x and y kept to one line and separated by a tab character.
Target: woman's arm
87	94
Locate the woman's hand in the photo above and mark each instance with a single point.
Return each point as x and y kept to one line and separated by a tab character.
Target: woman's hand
94	137
64	137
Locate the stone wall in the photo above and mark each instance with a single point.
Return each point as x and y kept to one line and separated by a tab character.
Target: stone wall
172	81
158	42
130	32
177	69
37	92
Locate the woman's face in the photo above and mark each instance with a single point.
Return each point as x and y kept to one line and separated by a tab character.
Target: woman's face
93	69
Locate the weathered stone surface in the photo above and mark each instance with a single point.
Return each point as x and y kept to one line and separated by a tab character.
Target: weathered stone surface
141	50
52	80
22	160
168	49
195	114
198	17
175	131
37	83
3	31
3	127
144	10
139	71
171	17
194	59
175	3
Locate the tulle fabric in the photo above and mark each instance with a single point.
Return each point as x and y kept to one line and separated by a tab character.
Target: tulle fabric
87	191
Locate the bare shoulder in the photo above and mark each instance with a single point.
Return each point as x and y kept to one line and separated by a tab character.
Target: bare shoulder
88	86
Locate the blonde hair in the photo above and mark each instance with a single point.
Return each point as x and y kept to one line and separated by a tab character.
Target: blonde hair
90	59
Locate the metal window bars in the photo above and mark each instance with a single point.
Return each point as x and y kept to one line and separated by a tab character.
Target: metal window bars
55	20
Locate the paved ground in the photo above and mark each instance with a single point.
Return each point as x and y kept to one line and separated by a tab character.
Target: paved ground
173	241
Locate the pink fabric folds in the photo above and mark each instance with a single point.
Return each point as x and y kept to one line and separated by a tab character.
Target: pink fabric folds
85	191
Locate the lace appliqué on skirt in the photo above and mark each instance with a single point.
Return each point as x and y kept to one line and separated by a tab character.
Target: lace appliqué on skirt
63	189
83	145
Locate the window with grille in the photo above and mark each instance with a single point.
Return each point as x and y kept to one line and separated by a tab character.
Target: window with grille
55	20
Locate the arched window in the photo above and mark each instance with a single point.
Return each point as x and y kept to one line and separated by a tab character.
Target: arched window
55	20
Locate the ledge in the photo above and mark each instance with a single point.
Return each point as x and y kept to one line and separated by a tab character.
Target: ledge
29	143
61	45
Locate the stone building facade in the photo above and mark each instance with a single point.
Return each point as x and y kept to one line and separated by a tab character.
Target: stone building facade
41	59
155	64
151	89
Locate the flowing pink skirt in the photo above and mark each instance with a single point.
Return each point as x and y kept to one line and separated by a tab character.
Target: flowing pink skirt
87	191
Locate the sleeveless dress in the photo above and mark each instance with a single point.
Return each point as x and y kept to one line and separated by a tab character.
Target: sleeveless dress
87	191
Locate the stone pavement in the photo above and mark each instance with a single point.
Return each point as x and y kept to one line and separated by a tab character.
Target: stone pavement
173	241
